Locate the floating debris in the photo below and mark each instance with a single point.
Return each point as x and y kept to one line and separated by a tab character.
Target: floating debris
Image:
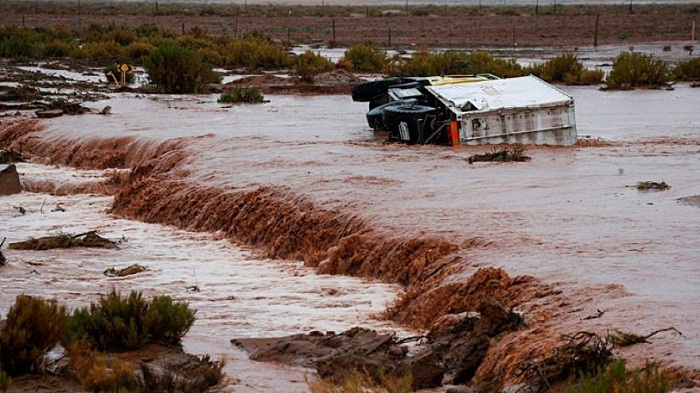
127	271
504	155
88	239
652	186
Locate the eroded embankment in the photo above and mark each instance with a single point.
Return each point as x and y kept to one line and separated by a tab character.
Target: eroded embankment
283	224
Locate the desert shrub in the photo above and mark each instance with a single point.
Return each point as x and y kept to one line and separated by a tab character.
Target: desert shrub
633	69
425	63
616	378
178	70
136	50
97	373
566	68
481	61
212	56
308	64
117	322
688	70
18	43
59	48
32	327
248	95
366	57
192	42
588	77
121	35
102	50
256	52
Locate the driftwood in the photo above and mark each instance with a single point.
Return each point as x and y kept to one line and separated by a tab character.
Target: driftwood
596	316
87	239
622	339
583	352
504	155
127	271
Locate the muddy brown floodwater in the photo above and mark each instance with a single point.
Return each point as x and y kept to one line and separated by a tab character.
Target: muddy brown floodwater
304	178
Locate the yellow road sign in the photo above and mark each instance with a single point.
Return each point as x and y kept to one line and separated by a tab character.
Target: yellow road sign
125	68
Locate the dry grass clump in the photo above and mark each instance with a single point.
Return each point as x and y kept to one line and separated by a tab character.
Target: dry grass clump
359	382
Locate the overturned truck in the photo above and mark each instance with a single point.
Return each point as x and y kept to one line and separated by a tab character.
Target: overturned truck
472	110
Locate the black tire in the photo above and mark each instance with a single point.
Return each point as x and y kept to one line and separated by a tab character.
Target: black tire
375	119
365	92
406	122
375	116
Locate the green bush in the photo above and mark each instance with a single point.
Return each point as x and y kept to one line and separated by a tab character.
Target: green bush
248	95
256	52
616	378
32	327
425	63
18	43
178	70
566	68
115	323
632	69
367	57
101	50
688	70
136	50
309	64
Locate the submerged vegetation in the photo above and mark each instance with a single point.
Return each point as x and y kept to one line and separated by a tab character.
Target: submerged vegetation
245	95
633	69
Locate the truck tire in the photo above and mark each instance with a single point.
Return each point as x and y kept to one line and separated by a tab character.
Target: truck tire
407	121
375	116
365	92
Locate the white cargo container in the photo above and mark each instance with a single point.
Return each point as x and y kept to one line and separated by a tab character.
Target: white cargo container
473	110
523	110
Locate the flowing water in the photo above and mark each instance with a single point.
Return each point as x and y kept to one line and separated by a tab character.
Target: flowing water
571	216
241	294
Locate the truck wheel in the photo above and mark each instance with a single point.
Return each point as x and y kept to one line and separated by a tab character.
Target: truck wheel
407	121
375	116
365	92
